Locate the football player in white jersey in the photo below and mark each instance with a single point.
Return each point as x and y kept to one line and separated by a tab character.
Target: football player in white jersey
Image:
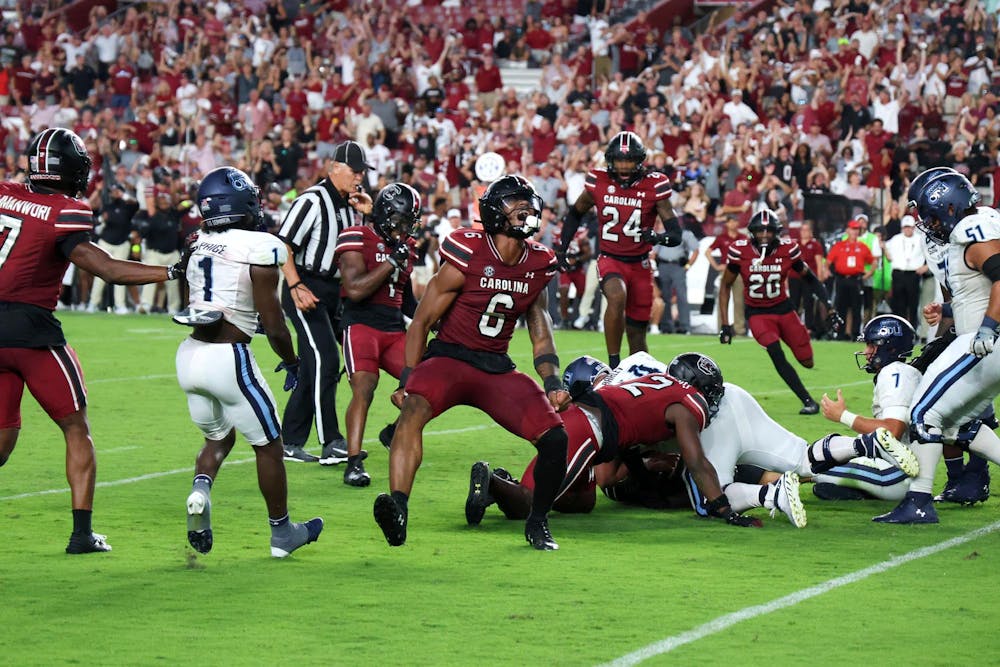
234	271
959	386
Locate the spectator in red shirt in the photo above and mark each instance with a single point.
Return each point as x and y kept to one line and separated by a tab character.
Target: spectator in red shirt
489	83
543	141
720	249
737	202
121	77
24	82
848	259
814	256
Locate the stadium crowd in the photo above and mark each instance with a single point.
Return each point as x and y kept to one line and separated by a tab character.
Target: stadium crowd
791	108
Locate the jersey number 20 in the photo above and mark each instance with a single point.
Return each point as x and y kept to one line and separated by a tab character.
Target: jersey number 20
761	286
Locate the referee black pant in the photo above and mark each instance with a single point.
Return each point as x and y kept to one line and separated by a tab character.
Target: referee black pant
849	302
905	295
319	364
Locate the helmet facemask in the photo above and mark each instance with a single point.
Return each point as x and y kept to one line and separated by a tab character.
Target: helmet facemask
523	216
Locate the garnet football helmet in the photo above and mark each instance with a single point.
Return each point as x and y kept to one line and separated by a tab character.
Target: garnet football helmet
503	204
699	371
892	337
396	211
227	197
58	161
624	158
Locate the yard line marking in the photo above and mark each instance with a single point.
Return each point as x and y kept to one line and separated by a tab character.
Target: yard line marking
161	376
725	622
117	449
189	469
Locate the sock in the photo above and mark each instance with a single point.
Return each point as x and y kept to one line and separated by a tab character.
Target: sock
355	461
614	360
280	527
202	483
81	521
745	496
831	451
402	501
928	454
955	467
550	469
787	373
987	445
976	464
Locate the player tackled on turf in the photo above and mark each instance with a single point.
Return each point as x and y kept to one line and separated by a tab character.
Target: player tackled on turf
233	276
44	226
488	279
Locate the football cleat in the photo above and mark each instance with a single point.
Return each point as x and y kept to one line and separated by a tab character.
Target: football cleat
199	521
973	487
87	543
302	534
947	494
881	444
504	475
914	508
334	452
355	475
829	491
538	536
786	499
391	519
479	497
385	435
299	454
810	407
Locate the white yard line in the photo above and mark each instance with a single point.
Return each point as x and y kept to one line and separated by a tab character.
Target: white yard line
725	622
189	469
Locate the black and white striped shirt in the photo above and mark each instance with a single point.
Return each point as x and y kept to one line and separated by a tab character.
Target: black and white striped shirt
312	225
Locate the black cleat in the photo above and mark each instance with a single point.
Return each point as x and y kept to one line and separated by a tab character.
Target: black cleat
479	493
947	494
87	543
354	474
334	452
298	454
504	475
829	491
538	535
391	519
973	487
385	435
810	407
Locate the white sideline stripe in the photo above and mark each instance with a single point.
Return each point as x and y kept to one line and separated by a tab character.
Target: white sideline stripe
176	471
724	622
162	376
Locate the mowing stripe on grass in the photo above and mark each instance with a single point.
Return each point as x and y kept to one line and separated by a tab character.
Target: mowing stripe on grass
725	622
188	469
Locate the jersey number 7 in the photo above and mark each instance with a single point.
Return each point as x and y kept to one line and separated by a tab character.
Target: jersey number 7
10	228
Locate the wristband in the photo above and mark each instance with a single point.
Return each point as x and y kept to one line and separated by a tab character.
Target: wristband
946	310
847	419
714	507
291	287
403	376
552	383
989	323
547	358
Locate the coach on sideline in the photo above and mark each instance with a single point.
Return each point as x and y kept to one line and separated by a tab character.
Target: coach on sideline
311	299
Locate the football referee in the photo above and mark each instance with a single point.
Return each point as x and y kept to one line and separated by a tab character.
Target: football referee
311	299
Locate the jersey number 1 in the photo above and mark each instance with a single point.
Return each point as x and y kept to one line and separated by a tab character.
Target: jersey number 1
10	228
206	267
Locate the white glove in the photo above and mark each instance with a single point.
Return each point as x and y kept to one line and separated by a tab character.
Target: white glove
983	343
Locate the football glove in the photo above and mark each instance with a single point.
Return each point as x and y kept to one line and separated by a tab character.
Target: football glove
721	509
178	269
726	335
663	238
984	341
400	256
562	263
834	322
291	374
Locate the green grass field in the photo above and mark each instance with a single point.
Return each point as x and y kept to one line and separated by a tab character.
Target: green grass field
624	578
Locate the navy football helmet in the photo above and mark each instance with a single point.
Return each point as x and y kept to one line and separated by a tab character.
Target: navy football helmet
627	148
503	200
581	374
763	221
892	337
227	197
922	179
396	211
699	371
58	162
942	202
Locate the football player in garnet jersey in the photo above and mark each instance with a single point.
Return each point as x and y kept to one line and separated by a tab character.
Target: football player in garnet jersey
374	279
628	199
763	261
488	279
44	226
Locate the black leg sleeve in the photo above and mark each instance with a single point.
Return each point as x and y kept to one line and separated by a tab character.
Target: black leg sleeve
550	468
786	371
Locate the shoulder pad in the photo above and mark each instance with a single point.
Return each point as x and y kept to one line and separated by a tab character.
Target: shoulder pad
268	250
459	246
981	226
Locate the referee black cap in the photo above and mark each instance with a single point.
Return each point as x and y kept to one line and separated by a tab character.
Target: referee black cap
351	154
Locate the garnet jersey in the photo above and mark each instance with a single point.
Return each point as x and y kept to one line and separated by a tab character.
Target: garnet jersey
387	300
623	213
764	275
33	257
495	295
638	406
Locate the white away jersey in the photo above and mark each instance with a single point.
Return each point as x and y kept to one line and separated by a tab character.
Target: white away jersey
219	272
893	394
636	366
970	289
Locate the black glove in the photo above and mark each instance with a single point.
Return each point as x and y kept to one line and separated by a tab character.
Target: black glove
721	509
400	255
562	264
834	322
291	373
179	268
742	520
726	335
649	236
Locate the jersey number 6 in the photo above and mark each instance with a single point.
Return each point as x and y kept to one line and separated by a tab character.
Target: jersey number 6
492	321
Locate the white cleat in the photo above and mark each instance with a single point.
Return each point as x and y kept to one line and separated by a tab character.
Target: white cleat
786	499
892	450
199	521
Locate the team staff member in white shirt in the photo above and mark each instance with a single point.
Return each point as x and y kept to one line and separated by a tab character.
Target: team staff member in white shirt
909	267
